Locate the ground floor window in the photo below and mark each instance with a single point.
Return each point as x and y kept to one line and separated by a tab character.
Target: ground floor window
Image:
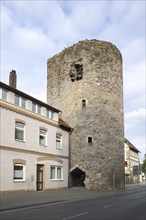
19	172
56	173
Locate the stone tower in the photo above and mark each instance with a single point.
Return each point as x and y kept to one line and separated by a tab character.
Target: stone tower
85	82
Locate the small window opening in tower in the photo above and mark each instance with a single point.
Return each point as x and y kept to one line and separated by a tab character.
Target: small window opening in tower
90	139
84	103
79	70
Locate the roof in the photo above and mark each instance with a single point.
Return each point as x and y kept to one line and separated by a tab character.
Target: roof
64	125
24	95
132	147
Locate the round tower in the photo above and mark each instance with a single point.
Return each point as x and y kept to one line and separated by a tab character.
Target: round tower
85	82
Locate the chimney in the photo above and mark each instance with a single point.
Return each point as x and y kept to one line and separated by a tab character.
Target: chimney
13	79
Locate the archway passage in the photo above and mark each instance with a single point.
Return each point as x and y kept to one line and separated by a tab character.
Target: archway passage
77	177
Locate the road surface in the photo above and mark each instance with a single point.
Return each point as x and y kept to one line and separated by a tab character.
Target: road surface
126	205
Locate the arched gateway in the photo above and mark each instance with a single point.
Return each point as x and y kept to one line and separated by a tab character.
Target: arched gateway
77	177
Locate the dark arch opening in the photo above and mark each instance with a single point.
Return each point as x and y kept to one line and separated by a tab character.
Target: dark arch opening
77	177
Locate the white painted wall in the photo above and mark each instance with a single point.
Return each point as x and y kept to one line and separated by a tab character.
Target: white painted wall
32	128
30	150
6	175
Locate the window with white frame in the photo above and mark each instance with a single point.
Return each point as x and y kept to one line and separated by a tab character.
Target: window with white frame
19	172
50	114
56	173
23	103
36	108
43	137
17	100
20	101
59	141
19	131
4	94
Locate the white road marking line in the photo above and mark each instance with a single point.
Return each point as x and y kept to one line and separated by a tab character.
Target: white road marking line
74	216
114	204
138	197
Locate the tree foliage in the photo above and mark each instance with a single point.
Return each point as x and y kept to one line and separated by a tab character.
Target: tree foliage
144	165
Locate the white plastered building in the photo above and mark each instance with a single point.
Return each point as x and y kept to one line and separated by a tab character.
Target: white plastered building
34	142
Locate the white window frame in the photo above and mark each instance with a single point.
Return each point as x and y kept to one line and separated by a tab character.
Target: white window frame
20	101
23	99
37	108
50	114
54	175
17	100
23	173
58	141
43	133
4	94
18	128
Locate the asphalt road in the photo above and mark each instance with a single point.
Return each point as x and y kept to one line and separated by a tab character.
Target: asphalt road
126	205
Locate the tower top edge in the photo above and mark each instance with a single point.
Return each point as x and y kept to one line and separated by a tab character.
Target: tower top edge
92	42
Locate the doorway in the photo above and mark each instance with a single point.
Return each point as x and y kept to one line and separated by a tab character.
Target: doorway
39	177
77	177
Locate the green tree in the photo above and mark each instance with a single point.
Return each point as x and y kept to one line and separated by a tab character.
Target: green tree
144	165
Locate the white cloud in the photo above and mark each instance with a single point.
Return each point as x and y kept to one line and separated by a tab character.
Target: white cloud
140	113
135	128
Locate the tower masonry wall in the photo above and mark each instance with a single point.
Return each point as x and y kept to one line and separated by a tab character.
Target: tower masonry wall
85	81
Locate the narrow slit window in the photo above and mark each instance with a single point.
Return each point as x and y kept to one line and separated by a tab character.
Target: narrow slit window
90	140
84	103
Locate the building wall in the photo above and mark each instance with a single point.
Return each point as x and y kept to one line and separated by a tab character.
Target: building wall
132	159
99	82
29	151
29	184
32	127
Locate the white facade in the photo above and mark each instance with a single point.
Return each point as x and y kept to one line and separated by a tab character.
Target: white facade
131	160
34	147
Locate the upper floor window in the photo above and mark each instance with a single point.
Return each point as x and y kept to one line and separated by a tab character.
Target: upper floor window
42	137
56	173
4	94
20	101
19	172
36	108
50	114
23	103
17	100
58	141
19	131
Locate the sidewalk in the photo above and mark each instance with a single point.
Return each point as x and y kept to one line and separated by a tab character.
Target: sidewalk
135	185
16	200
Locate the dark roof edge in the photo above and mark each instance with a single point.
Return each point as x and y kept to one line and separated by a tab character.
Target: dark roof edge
18	92
131	145
64	125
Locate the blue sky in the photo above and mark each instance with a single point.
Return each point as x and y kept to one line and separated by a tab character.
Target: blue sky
33	31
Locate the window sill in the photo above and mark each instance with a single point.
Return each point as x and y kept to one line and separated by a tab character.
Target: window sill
20	140
18	181
56	180
42	145
58	148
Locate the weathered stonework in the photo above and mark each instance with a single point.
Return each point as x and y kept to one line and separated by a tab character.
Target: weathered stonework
85	82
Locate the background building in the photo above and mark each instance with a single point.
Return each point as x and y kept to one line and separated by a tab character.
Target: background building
34	142
85	81
132	163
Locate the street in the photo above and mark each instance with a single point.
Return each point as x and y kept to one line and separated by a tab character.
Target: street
125	205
